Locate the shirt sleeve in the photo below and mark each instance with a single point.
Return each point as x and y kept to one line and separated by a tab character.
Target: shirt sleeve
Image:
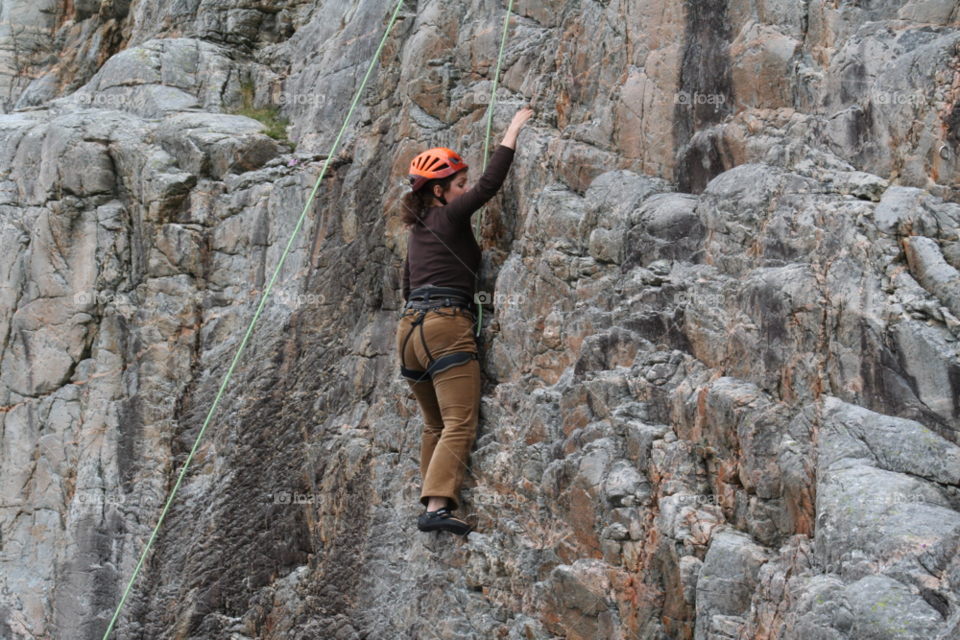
460	209
406	278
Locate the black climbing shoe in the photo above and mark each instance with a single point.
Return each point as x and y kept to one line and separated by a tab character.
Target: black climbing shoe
422	519
442	520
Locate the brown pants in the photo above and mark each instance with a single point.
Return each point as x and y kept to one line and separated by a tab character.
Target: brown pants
450	403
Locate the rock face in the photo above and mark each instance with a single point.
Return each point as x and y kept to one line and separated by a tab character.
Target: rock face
721	378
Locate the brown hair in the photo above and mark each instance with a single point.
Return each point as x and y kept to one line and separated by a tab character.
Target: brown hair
414	203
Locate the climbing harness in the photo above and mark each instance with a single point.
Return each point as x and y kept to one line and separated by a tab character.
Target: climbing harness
486	146
256	316
431	298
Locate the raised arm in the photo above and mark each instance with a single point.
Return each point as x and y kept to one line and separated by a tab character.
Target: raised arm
510	137
460	209
406	278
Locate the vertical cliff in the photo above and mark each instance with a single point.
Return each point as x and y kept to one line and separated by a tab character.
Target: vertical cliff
721	378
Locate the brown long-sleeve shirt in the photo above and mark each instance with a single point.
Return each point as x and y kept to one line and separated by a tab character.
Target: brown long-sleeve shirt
442	250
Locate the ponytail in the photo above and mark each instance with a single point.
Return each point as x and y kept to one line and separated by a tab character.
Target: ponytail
412	207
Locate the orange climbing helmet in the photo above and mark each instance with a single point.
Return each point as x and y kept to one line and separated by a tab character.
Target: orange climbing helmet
432	164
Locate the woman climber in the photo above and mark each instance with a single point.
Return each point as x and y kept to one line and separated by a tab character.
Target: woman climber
440	361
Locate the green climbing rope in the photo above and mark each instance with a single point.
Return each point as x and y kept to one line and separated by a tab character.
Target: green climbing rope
255	317
486	145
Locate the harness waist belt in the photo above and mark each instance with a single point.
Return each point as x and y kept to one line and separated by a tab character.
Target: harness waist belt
428	292
436	304
430	297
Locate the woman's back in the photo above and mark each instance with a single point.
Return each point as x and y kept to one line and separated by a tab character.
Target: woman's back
442	250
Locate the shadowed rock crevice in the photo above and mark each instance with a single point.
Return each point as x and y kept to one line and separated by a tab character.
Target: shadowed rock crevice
705	92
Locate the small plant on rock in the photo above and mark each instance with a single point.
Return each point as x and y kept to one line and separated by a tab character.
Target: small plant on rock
269	115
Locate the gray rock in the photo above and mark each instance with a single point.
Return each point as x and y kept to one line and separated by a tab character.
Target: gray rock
727	580
932	271
215	145
882	608
719	397
896	208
